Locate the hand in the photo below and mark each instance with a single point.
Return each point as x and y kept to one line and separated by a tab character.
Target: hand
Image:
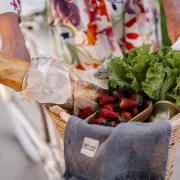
173	26
13	43
172	18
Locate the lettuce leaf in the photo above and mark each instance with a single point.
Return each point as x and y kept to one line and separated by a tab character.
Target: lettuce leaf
170	81
128	73
137	71
118	74
155	74
175	95
154	80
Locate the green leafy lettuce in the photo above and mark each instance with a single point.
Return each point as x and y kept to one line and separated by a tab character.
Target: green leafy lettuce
155	74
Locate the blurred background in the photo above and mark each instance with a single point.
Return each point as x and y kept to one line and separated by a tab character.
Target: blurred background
37	32
166	40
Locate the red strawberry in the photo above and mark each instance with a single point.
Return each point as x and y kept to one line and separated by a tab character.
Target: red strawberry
137	97
125	116
135	111
100	121
118	94
106	99
118	113
110	107
126	104
85	112
112	123
107	114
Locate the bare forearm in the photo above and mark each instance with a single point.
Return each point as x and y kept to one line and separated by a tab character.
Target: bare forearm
9	27
171	7
13	42
8	21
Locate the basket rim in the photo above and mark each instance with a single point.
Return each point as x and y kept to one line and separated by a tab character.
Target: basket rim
175	121
54	116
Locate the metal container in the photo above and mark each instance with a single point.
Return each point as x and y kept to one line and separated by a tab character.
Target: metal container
164	110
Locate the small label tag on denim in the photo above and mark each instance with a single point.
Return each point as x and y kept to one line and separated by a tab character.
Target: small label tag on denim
90	147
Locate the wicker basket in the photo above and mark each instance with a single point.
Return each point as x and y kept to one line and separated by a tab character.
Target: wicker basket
60	116
13	71
60	121
175	136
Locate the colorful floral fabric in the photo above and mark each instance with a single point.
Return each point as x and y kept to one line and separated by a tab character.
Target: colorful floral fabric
10	6
88	32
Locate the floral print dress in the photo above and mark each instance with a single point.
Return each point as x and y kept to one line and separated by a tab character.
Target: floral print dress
85	33
10	6
88	32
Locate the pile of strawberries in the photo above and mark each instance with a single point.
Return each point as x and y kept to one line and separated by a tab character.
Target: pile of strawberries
114	108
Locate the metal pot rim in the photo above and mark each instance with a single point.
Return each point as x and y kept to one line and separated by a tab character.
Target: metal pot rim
167	102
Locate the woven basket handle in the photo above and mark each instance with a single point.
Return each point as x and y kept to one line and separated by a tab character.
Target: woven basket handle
12	71
176	45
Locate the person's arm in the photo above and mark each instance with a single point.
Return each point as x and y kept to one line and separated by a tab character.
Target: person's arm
172	10
13	42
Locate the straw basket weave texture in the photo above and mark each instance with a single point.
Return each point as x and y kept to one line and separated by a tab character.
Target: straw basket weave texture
175	136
